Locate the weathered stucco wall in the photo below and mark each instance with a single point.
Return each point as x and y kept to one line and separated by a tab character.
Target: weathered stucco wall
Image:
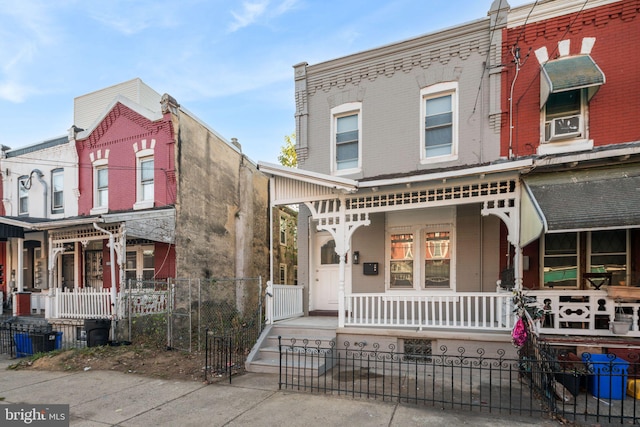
221	209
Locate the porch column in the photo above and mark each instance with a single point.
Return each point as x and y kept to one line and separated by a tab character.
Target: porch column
20	267
341	226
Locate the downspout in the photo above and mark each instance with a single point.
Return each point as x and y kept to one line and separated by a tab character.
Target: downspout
272	184
516	55
112	259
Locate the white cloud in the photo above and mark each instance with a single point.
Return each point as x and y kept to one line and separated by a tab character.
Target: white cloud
250	13
253	12
14	92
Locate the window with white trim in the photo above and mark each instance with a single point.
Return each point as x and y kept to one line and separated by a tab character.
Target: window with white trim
146	179
564	116
431	243
401	263
346	149
439	122
101	179
57	191
140	264
437	259
283	274
23	195
283	231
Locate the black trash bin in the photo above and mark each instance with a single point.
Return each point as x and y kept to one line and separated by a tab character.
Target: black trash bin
97	331
44	342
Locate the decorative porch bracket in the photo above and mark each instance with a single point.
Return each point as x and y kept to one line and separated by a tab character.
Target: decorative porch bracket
507	209
332	217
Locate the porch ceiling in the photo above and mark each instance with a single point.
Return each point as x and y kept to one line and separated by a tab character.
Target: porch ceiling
292	186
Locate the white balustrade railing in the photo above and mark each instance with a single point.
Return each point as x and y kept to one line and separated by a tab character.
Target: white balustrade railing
477	311
581	312
283	302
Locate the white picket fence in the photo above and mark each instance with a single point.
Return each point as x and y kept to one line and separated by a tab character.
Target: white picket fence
91	303
84	303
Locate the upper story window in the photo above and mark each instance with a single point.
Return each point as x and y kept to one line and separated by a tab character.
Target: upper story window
283	231
283	274
564	116
347	142
439	127
100	163
57	191
101	177
146	179
567	84
145	174
23	195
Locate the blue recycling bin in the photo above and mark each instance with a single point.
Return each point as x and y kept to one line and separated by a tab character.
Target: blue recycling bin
24	347
607	375
28	344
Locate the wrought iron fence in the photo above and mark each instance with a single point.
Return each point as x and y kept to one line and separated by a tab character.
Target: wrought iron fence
438	378
589	388
19	339
227	351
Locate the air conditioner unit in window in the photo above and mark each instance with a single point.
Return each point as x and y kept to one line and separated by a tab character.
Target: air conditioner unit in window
563	127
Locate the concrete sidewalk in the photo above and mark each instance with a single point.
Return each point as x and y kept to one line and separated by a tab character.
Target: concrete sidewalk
105	398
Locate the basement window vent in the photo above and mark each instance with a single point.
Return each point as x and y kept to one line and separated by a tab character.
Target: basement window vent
417	350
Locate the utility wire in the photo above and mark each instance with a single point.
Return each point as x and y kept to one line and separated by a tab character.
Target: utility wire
486	60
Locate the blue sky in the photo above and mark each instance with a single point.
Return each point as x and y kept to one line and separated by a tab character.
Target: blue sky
228	62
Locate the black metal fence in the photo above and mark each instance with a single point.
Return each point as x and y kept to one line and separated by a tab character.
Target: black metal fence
227	351
19	339
590	388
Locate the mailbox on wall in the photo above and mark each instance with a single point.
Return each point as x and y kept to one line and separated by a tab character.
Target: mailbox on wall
370	268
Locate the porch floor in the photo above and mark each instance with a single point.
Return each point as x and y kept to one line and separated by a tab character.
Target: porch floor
322	322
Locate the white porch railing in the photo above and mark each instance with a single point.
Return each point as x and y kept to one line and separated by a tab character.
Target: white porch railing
581	312
85	303
476	311
283	302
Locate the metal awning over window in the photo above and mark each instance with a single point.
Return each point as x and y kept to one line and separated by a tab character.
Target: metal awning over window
569	73
594	199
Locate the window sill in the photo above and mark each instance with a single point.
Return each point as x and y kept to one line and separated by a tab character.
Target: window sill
439	159
99	210
345	172
566	146
143	205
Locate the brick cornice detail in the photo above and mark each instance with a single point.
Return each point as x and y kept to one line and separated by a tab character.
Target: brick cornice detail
119	110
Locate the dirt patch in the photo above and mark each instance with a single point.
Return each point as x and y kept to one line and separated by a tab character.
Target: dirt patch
130	359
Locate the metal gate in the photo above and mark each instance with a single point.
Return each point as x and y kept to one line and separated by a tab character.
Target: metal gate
179	314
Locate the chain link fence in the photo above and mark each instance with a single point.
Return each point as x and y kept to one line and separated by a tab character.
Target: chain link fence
176	313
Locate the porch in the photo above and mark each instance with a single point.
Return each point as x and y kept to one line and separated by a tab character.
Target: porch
92	303
585	313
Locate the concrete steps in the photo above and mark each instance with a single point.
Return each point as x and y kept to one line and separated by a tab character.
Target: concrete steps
314	360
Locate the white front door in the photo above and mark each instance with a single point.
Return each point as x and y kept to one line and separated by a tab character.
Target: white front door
326	265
